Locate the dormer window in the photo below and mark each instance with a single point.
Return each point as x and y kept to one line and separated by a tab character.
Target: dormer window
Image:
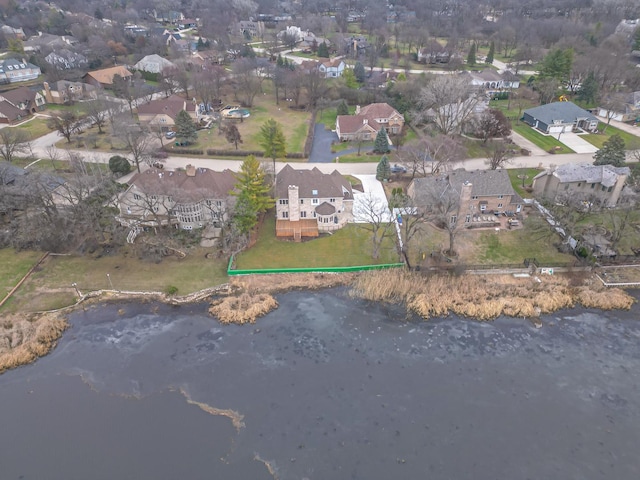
314	192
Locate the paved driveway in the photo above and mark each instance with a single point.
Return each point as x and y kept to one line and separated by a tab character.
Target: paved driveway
321	148
372	205
577	144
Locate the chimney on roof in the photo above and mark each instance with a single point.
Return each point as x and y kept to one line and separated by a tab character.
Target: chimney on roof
357	109
191	171
365	121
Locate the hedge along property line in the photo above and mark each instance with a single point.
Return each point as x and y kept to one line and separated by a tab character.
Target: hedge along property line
233	272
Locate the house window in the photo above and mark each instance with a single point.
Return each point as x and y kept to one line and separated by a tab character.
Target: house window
283	201
136	196
593	185
453	219
314	201
483	207
475	197
579	184
467	219
500	197
285	214
303	214
566	187
302	201
332	200
499	205
314	192
314	214
609	189
603	188
335	219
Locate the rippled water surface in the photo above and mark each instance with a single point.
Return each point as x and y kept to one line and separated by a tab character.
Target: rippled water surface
326	387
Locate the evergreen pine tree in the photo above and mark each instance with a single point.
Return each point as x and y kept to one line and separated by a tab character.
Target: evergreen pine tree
279	61
383	171
252	192
323	50
381	145
342	109
186	128
491	54
359	72
471	58
611	153
272	141
589	89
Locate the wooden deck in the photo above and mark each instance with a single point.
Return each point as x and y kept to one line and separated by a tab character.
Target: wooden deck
297	230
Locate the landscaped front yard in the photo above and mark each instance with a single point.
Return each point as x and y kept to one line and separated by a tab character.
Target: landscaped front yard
520	177
349	246
547	143
36	127
631	142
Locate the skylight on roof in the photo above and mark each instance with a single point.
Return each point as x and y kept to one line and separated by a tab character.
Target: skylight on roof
314	192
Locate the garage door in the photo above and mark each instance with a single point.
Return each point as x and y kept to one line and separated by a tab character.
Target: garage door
556	128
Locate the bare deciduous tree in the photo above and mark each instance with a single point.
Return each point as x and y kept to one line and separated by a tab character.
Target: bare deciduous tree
499	154
433	155
13	142
377	220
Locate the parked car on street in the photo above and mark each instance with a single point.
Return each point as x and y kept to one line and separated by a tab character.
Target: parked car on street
398	168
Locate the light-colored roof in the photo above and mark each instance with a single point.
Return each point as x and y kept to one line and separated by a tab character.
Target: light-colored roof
205	184
154	58
565	112
105	76
606	175
332	185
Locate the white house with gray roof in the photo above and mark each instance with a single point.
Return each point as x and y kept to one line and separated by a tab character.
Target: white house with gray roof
560	117
154	64
602	183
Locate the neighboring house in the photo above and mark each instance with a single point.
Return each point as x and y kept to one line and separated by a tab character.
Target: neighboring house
482	192
136	31
18	104
154	64
493	81
559	117
627	28
104	78
628	111
25	99
170	16
13	71
48	42
187	23
65	59
309	202
163	112
356	45
332	68
603	183
249	28
366	122
11	32
64	92
10	173
434	53
190	199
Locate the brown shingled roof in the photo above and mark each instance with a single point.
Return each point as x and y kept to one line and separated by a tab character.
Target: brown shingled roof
169	106
105	76
378	110
206	184
327	185
353	123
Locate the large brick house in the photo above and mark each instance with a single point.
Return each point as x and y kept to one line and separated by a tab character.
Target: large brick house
309	202
367	121
586	182
482	193
189	199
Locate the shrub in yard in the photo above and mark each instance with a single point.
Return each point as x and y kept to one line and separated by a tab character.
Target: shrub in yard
119	165
171	290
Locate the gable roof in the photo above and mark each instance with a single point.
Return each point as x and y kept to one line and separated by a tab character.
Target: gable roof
19	95
105	76
351	124
332	185
205	184
332	63
10	111
606	175
485	183
168	106
154	58
566	112
378	110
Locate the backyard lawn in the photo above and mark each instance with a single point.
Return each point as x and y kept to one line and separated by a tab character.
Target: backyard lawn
631	142
13	266
51	285
36	127
349	246
547	143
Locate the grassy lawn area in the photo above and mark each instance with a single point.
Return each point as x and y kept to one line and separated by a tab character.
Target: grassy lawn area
475	148
631	142
349	246
36	127
511	246
328	117
13	266
50	286
630	237
516	174
365	157
513	109
547	143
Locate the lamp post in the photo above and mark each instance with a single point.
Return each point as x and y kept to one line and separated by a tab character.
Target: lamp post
75	286
110	282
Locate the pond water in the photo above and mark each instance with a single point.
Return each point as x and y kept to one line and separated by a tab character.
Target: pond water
326	387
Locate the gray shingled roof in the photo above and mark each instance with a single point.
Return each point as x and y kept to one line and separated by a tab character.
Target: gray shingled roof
485	183
585	172
206	184
565	112
332	185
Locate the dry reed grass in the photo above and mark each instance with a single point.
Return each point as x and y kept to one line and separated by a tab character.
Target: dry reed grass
244	308
24	339
484	297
